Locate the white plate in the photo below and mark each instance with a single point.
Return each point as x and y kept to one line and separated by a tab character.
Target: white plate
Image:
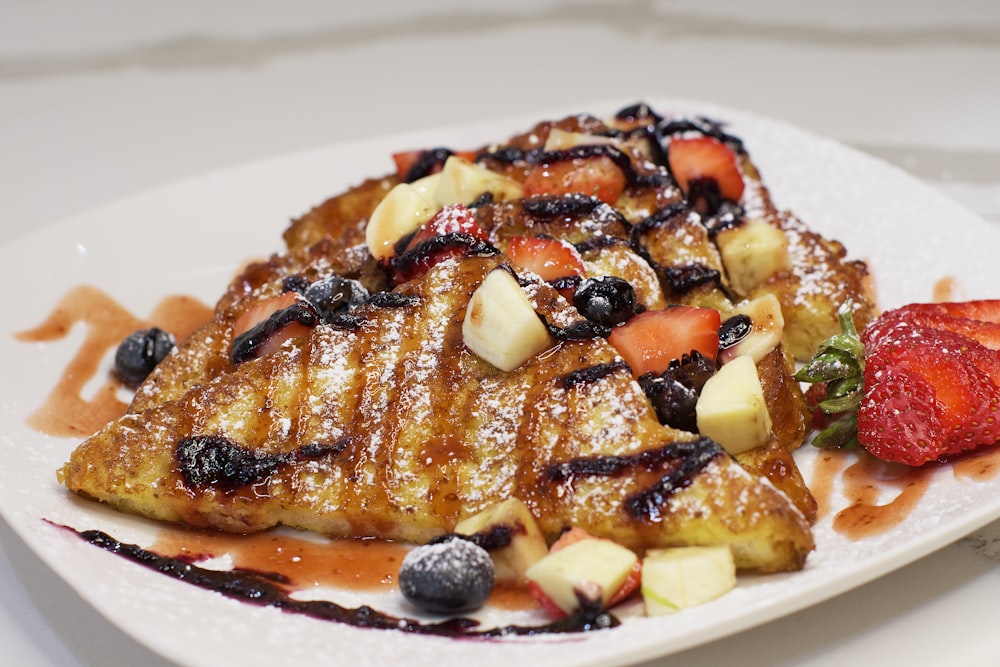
189	237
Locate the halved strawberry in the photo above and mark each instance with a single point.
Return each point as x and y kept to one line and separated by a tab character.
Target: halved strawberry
650	340
451	219
921	384
705	169
551	259
596	176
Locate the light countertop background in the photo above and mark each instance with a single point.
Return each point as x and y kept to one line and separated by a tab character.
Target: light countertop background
101	99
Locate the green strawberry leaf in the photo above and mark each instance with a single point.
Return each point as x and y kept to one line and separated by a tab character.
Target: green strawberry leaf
839	363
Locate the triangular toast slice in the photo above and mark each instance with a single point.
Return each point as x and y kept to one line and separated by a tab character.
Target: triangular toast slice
394	429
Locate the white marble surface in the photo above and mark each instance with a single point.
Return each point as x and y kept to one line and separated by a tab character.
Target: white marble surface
100	99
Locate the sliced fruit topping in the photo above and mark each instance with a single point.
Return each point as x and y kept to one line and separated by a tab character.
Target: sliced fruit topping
731	409
463	182
919	384
560	140
650	340
706	170
550	259
576	172
501	325
267	324
607	300
416	261
752	252
139	354
583	568
447	577
451	219
402	211
675	579
525	545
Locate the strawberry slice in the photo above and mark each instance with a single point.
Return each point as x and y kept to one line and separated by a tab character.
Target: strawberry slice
706	170
451	219
650	340
596	176
979	320
922	382
267	324
452	232
262	310
551	259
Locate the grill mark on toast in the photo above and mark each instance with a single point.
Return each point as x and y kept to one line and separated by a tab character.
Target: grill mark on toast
211	460
682	461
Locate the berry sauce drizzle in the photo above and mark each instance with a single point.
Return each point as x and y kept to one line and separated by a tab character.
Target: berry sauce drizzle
255	589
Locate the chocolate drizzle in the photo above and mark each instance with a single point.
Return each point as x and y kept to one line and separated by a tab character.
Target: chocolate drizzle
430	161
261	591
393	300
579	330
590	151
572	205
685	278
593	374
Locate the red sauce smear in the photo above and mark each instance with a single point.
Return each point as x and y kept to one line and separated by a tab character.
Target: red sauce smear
66	413
348	564
865	482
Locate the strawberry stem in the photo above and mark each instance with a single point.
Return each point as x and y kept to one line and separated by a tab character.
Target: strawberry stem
839	364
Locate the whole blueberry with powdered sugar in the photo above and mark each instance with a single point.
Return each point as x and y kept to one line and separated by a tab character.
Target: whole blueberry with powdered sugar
447	576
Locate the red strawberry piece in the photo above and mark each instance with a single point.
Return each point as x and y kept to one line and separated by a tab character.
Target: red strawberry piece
551	259
267	324
452	232
452	219
706	169
262	310
596	176
650	340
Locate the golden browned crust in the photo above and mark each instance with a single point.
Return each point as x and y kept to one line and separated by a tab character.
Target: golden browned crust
392	430
396	430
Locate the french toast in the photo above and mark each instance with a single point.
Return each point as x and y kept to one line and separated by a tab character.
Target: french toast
392	429
384	422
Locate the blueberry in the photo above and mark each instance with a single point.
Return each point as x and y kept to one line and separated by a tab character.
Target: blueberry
674	394
335	294
733	330
447	577
606	300
140	352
